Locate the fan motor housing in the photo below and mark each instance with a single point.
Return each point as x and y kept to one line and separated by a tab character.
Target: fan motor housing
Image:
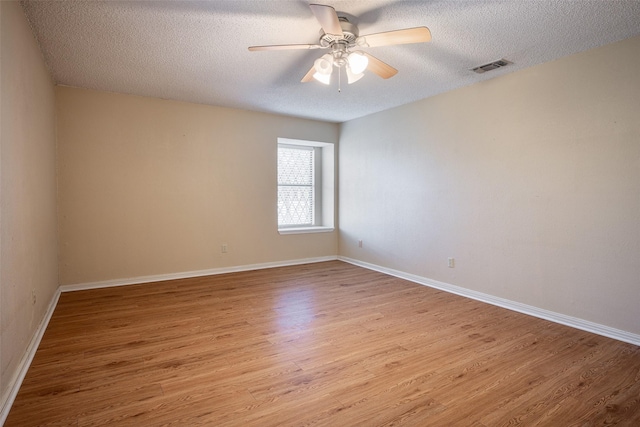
349	34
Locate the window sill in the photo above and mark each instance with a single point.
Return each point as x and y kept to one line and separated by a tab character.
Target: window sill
301	230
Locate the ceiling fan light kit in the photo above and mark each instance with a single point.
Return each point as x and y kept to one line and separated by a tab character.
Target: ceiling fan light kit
341	36
354	63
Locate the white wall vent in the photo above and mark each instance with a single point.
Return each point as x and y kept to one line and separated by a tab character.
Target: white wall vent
491	66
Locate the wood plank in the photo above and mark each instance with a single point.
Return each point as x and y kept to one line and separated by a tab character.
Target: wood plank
322	344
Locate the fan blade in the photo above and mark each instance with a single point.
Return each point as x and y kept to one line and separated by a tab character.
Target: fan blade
409	35
285	47
328	18
309	76
380	68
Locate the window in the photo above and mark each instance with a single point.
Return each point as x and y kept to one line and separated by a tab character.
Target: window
305	186
296	185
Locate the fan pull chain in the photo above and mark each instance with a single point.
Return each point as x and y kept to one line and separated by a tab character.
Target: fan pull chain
339	79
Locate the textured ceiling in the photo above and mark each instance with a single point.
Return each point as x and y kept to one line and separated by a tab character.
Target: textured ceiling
196	51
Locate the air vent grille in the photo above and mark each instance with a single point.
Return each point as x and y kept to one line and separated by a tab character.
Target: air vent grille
491	66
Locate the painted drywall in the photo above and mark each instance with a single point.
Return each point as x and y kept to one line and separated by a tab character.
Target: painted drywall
531	181
150	186
28	247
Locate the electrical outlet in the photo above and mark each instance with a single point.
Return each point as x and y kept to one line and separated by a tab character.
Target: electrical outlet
452	263
33	297
223	248
359	243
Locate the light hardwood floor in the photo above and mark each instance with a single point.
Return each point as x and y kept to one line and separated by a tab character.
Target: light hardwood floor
327	344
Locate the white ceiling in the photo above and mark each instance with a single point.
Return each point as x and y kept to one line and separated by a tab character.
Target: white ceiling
196	51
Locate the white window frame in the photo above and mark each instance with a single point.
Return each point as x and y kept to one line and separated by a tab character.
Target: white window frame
324	178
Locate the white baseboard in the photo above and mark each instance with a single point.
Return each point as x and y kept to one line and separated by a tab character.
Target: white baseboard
188	274
16	381
563	319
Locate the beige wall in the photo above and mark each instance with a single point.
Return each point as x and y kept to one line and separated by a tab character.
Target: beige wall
531	181
149	186
28	254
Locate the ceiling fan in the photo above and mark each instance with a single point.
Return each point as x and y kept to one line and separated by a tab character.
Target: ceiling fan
341	37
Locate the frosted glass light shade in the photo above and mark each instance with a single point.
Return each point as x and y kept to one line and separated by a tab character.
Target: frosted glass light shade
322	78
324	64
357	62
353	77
